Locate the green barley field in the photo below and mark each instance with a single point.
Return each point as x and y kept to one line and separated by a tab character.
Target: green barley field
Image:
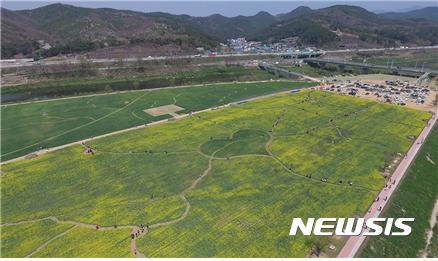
29	127
415	197
222	183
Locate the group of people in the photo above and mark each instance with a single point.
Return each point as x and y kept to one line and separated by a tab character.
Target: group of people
388	185
139	231
88	148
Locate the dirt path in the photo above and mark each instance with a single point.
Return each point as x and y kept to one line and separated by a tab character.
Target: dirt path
134	249
288	169
23	222
69	222
78	127
354	243
429	233
183	195
180	116
134	228
136	116
49	241
144	90
74	225
174	98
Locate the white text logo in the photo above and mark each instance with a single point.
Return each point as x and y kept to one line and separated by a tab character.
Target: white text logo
352	226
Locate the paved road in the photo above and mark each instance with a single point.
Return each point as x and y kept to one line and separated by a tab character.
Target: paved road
44	151
18	63
373	66
382	49
353	244
26	62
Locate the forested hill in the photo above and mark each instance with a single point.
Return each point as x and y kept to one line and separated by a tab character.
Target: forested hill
352	25
70	29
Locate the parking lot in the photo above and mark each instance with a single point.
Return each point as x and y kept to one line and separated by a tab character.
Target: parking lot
400	91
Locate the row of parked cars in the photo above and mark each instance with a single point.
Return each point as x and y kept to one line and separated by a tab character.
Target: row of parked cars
395	92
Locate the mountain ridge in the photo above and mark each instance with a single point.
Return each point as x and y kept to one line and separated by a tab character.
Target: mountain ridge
353	27
67	27
430	13
71	29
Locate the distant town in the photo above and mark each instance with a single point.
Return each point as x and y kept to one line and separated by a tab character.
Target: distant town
287	46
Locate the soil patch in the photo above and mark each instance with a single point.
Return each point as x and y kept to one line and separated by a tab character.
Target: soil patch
165	109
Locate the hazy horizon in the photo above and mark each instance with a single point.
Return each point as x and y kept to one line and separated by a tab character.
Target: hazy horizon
226	8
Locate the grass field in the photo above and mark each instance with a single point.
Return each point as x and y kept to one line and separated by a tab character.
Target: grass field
104	84
114	243
327	71
312	71
22	240
28	127
429	60
415	198
222	183
434	243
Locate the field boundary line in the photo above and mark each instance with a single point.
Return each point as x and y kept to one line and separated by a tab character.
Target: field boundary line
354	243
23	222
69	222
181	116
194	184
276	159
38	249
142	90
79	127
136	116
205	173
183	195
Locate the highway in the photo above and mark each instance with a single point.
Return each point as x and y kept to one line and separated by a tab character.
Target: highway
11	64
383	49
25	62
285	72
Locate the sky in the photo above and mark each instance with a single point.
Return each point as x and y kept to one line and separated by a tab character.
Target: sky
227	8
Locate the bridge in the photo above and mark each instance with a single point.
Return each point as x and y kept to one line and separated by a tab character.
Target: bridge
284	73
367	66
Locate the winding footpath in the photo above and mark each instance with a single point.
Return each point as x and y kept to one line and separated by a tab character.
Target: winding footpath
178	117
38	249
354	243
349	249
141	90
67	222
183	196
134	229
